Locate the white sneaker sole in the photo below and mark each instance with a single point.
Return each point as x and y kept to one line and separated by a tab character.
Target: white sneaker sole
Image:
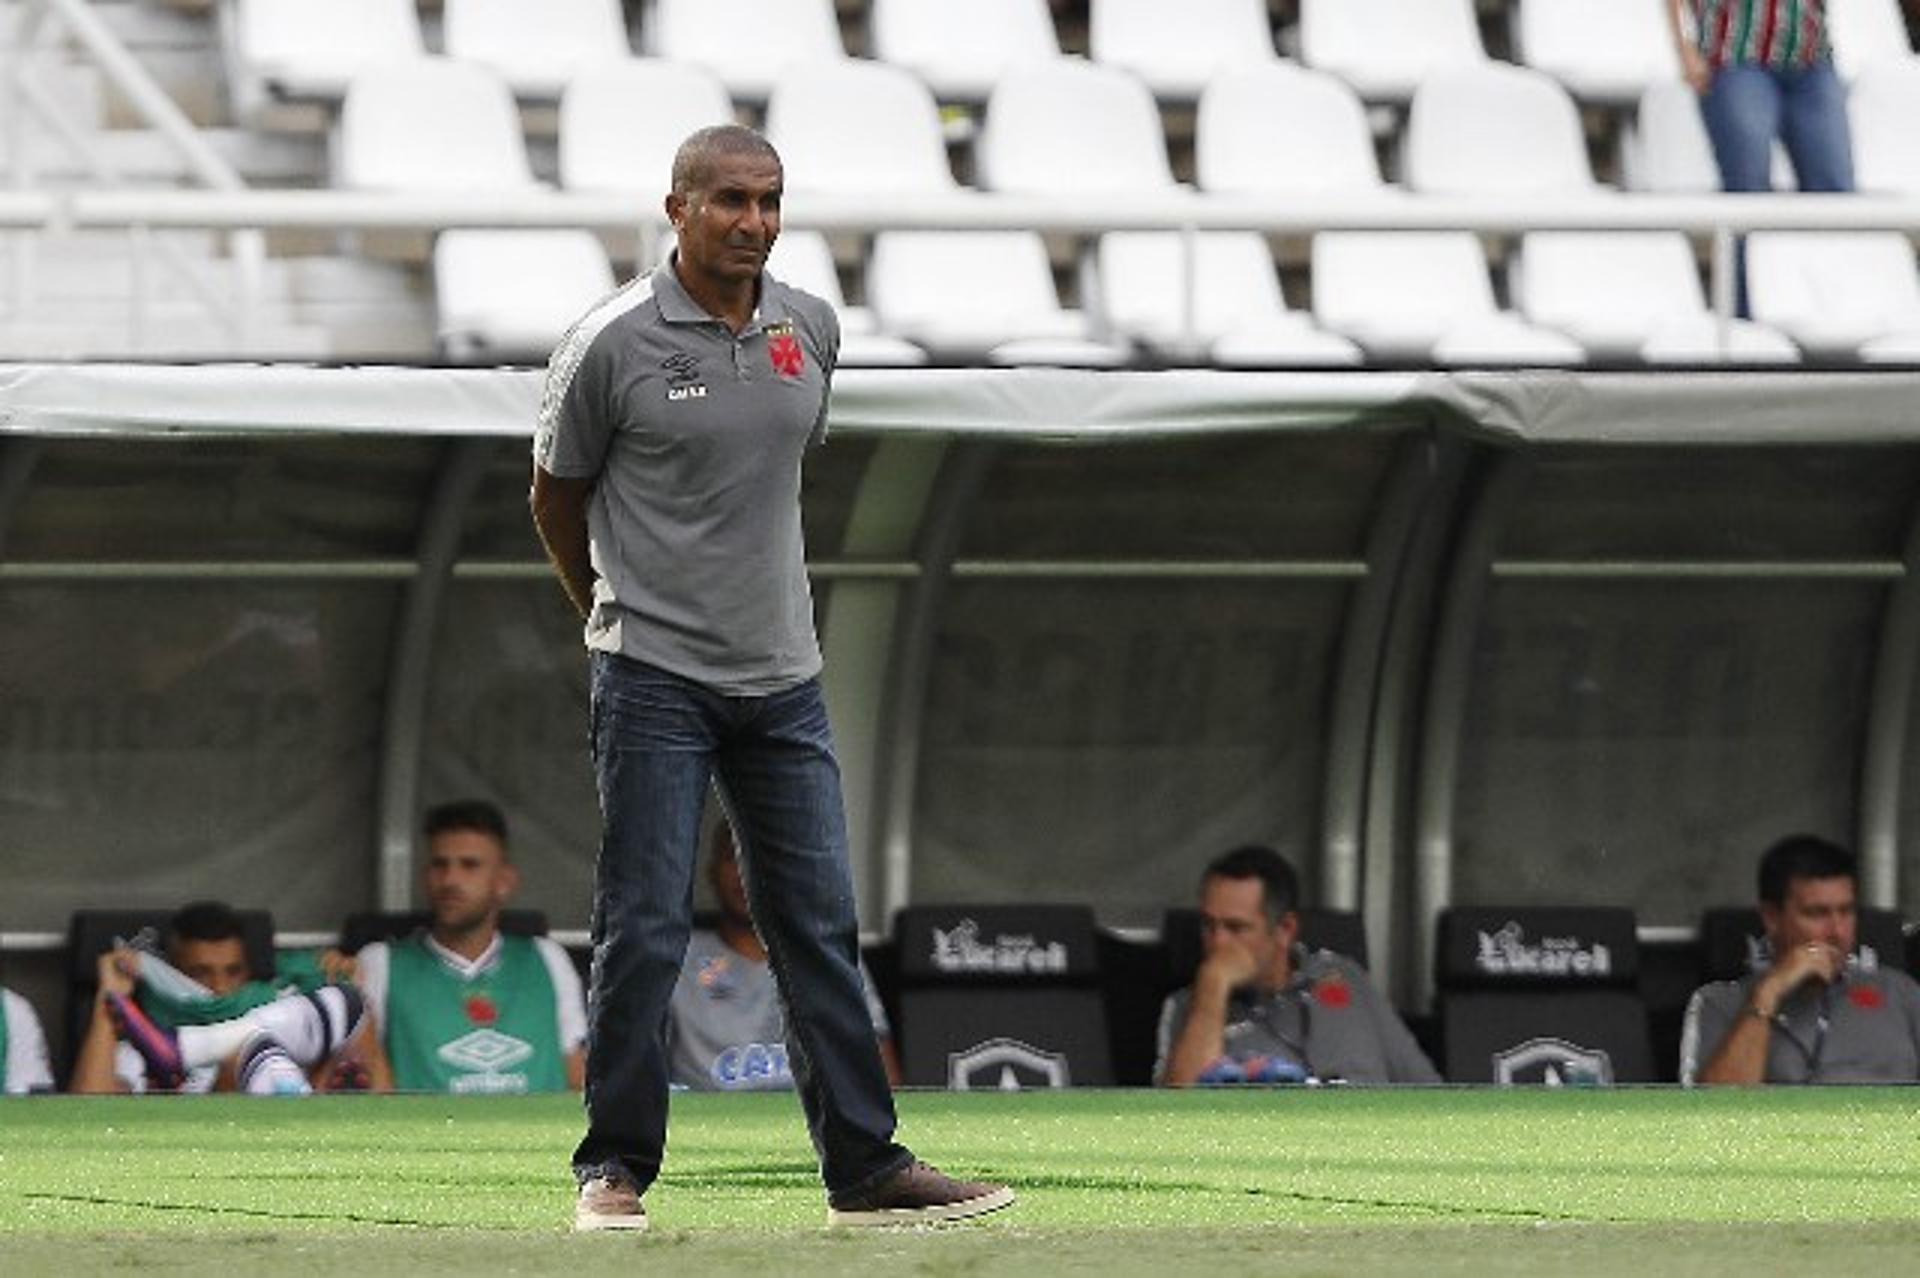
963	1210
595	1223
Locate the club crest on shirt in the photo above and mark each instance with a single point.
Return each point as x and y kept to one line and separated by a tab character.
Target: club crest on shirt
783	349
683	378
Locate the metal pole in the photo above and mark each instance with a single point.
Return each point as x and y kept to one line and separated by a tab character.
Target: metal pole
1883	762
1358	677
403	729
1726	248
1449	678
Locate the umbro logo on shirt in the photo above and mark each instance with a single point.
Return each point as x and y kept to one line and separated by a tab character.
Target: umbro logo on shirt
683	378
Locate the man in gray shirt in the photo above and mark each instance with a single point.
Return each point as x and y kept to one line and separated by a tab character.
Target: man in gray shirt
727	1032
1263	1008
666	488
1814	1014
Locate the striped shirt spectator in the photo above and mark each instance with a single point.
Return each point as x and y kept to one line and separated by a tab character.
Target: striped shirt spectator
1782	34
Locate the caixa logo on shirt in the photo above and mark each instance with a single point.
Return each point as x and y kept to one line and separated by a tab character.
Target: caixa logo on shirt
751	1065
959	949
683	378
1507	952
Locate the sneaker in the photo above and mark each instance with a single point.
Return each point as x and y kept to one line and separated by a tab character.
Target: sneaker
157	1047
607	1202
918	1195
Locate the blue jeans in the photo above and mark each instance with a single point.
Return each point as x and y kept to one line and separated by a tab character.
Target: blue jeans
1747	107
658	740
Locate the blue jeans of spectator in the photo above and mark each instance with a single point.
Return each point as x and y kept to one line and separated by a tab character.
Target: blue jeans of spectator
1747	107
658	740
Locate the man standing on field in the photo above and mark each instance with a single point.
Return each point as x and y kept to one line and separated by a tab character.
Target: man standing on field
666	486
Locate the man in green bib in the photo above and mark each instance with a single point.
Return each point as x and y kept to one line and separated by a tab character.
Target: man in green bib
461	1006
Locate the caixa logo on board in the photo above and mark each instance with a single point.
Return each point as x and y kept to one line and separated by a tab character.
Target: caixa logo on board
1552	1062
960	950
1508	952
1006	1065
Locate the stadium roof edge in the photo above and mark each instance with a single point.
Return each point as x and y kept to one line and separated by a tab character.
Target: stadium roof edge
1065	406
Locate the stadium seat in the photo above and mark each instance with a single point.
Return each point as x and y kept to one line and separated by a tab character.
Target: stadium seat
1001	997
1326	148
507	297
1733	943
1541	995
1866	33
296	50
621	122
1423	295
91	933
1240	317
1072	127
1495	130
747	43
1385	48
431	124
536	49
1883	104
857	126
1176	59
1664	147
962	50
804	260
1604	51
1342	931
368	926
1632	295
1838	294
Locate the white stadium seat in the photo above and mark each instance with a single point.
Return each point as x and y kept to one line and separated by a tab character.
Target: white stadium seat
430	124
1632	295
1495	129
1385	48
1239	315
1423	295
1866	33
298	50
509	296
621	122
1838	294
1177	55
1326	146
747	43
857	126
1072	126
1884	107
1664	147
1603	51
962	50
536	48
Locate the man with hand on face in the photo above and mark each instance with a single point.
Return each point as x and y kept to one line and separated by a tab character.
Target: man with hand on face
1813	1014
666	489
1265	1009
462	1006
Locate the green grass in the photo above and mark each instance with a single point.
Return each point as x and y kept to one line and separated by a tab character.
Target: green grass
1326	1181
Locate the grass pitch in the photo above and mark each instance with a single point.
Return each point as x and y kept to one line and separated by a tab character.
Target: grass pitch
1310	1181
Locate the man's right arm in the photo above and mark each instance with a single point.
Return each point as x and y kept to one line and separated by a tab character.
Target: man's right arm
1741	1057
93	1065
1201	1038
560	516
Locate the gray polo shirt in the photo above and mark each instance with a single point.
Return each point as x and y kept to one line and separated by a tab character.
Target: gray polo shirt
695	436
1872	1032
1329	1019
725	1031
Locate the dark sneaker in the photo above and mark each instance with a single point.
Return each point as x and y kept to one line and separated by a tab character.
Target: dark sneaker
158	1048
918	1195
607	1202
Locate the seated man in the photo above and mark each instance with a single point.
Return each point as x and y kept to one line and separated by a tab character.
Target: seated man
24	1066
1262	1008
199	1019
725	1029
461	1006
1814	1014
